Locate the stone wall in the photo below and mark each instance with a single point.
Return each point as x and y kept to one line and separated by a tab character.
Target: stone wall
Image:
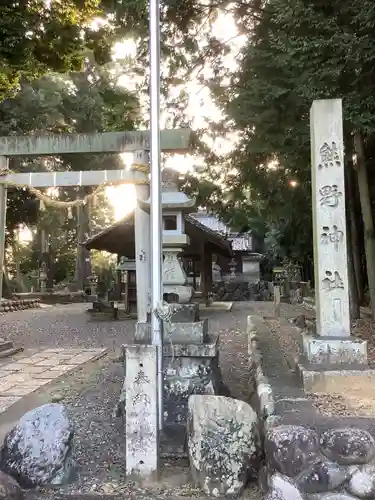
18	305
328	464
307	456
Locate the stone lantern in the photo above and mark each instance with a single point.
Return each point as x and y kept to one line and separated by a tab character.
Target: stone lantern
174	204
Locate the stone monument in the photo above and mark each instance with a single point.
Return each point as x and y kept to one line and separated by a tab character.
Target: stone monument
333	348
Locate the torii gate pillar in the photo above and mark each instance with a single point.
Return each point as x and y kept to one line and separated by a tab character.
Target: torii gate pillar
142	252
3	209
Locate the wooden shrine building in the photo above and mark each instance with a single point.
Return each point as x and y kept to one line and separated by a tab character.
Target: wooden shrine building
197	256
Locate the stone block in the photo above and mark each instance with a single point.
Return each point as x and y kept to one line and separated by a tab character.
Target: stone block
337	379
189	369
141	423
334	350
224	444
184	313
208	349
190	333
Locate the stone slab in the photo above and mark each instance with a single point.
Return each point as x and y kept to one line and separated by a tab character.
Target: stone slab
208	349
141	424
334	350
217	306
185	333
184	313
337	379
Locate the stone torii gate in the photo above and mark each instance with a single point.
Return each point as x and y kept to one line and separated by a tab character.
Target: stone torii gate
136	142
142	462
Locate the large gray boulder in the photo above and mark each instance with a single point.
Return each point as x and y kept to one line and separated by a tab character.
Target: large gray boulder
224	444
37	451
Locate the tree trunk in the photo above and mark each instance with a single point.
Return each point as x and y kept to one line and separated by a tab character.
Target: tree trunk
368	223
353	242
353	285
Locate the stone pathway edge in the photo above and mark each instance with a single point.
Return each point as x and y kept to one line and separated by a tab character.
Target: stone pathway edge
27	374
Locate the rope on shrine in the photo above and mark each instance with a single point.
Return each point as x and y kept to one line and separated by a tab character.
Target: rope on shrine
165	312
50	201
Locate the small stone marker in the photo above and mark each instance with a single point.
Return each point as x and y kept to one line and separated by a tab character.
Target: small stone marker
276	300
141	431
328	198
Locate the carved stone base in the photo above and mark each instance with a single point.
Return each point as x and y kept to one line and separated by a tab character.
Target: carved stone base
334	350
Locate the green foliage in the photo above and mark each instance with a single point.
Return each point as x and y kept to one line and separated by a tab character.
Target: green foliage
297	51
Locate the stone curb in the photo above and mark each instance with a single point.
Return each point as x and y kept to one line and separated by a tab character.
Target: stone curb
18	305
259	381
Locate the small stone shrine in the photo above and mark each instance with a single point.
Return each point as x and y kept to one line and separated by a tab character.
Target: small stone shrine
190	353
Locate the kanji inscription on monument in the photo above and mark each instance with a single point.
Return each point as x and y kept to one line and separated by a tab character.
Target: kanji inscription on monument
332	235
329	225
141	405
329	156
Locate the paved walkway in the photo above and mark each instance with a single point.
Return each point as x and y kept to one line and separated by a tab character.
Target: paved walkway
30	371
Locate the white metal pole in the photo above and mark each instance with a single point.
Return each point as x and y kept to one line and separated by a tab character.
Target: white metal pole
156	208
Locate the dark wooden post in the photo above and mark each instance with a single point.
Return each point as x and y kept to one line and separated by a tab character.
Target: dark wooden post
207	272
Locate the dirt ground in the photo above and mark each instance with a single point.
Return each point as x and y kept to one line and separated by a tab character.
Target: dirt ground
91	394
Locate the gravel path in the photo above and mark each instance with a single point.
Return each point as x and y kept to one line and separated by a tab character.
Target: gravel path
91	394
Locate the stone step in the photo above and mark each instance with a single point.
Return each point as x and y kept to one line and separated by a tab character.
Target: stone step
5	345
337	378
10	352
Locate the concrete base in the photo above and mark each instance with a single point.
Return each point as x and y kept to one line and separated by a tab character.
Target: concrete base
186	333
182	313
334	350
180	333
337	379
189	369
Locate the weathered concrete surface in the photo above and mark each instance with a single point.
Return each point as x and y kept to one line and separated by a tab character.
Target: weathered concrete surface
184	312
189	369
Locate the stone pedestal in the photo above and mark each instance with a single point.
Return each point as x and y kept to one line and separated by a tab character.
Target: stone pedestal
188	369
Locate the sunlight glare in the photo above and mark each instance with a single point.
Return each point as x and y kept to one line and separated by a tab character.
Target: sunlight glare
122	198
